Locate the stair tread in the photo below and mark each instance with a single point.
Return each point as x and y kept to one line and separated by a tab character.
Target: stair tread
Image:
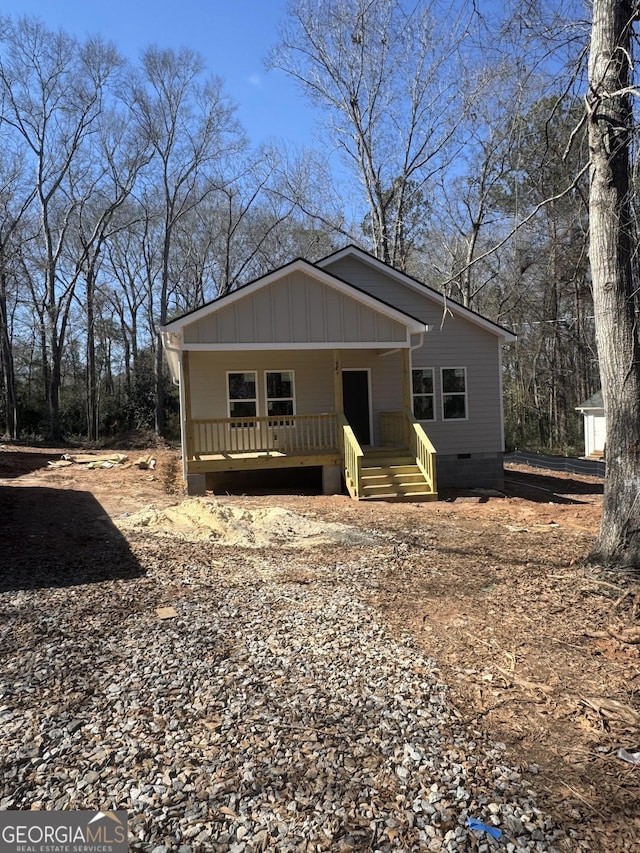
393	475
395	497
398	469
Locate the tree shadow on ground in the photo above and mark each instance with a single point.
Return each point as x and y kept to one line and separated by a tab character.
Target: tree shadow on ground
543	488
59	538
17	463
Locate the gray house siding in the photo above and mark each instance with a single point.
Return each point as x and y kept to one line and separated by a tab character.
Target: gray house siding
478	352
454	342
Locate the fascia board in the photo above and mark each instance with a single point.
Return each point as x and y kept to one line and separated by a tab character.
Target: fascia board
297	345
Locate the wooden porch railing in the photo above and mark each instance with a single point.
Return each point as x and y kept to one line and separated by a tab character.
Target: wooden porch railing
308	434
352	454
423	450
398	427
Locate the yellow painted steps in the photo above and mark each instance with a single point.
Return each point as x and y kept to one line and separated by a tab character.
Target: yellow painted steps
393	477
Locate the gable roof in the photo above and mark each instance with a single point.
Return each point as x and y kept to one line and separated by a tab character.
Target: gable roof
444	302
414	325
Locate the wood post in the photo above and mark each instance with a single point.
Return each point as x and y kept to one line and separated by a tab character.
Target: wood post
406	393
187	425
337	373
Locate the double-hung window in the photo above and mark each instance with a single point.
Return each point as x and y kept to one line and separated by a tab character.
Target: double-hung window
279	393
242	395
454	393
423	396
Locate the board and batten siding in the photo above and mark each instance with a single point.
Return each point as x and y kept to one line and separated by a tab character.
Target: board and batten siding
295	309
456	342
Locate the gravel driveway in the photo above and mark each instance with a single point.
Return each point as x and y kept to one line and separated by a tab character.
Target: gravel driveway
273	712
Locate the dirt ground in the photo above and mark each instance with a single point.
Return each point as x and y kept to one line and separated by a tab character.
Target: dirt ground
496	588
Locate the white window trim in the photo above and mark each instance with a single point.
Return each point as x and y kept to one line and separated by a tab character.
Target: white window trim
229	400
268	399
433	393
456	393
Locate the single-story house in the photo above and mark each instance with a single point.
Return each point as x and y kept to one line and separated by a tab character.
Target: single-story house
346	364
595	426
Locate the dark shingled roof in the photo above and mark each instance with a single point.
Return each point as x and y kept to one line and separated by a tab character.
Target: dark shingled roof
594	402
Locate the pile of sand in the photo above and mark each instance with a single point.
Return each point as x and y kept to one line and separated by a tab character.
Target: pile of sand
200	519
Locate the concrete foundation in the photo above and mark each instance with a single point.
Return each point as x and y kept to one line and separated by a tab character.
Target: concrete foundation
196	484
472	471
331	480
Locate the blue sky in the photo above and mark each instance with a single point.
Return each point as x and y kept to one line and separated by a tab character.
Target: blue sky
234	36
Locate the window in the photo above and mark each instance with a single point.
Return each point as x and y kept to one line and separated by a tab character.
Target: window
279	392
454	393
243	402
423	397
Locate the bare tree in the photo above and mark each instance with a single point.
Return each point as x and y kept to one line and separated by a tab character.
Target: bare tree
100	193
615	275
127	291
15	201
190	125
53	90
385	73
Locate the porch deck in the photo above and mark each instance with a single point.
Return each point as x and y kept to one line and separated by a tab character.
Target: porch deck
235	444
204	463
285	441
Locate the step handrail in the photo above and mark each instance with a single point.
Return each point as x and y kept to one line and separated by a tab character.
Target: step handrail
352	455
423	450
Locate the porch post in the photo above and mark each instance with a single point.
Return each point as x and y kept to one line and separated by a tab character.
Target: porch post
337	375
186	414
406	394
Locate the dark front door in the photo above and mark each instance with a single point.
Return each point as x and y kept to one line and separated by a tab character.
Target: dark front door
355	395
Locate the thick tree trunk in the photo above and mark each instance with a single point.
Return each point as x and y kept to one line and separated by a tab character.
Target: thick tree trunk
611	247
55	379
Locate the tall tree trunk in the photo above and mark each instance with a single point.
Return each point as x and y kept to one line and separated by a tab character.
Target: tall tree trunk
159	360
611	246
55	381
12	428
92	382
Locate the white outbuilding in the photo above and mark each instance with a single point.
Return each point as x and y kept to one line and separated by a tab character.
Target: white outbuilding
592	411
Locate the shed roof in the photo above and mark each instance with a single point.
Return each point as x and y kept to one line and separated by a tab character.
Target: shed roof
596	401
